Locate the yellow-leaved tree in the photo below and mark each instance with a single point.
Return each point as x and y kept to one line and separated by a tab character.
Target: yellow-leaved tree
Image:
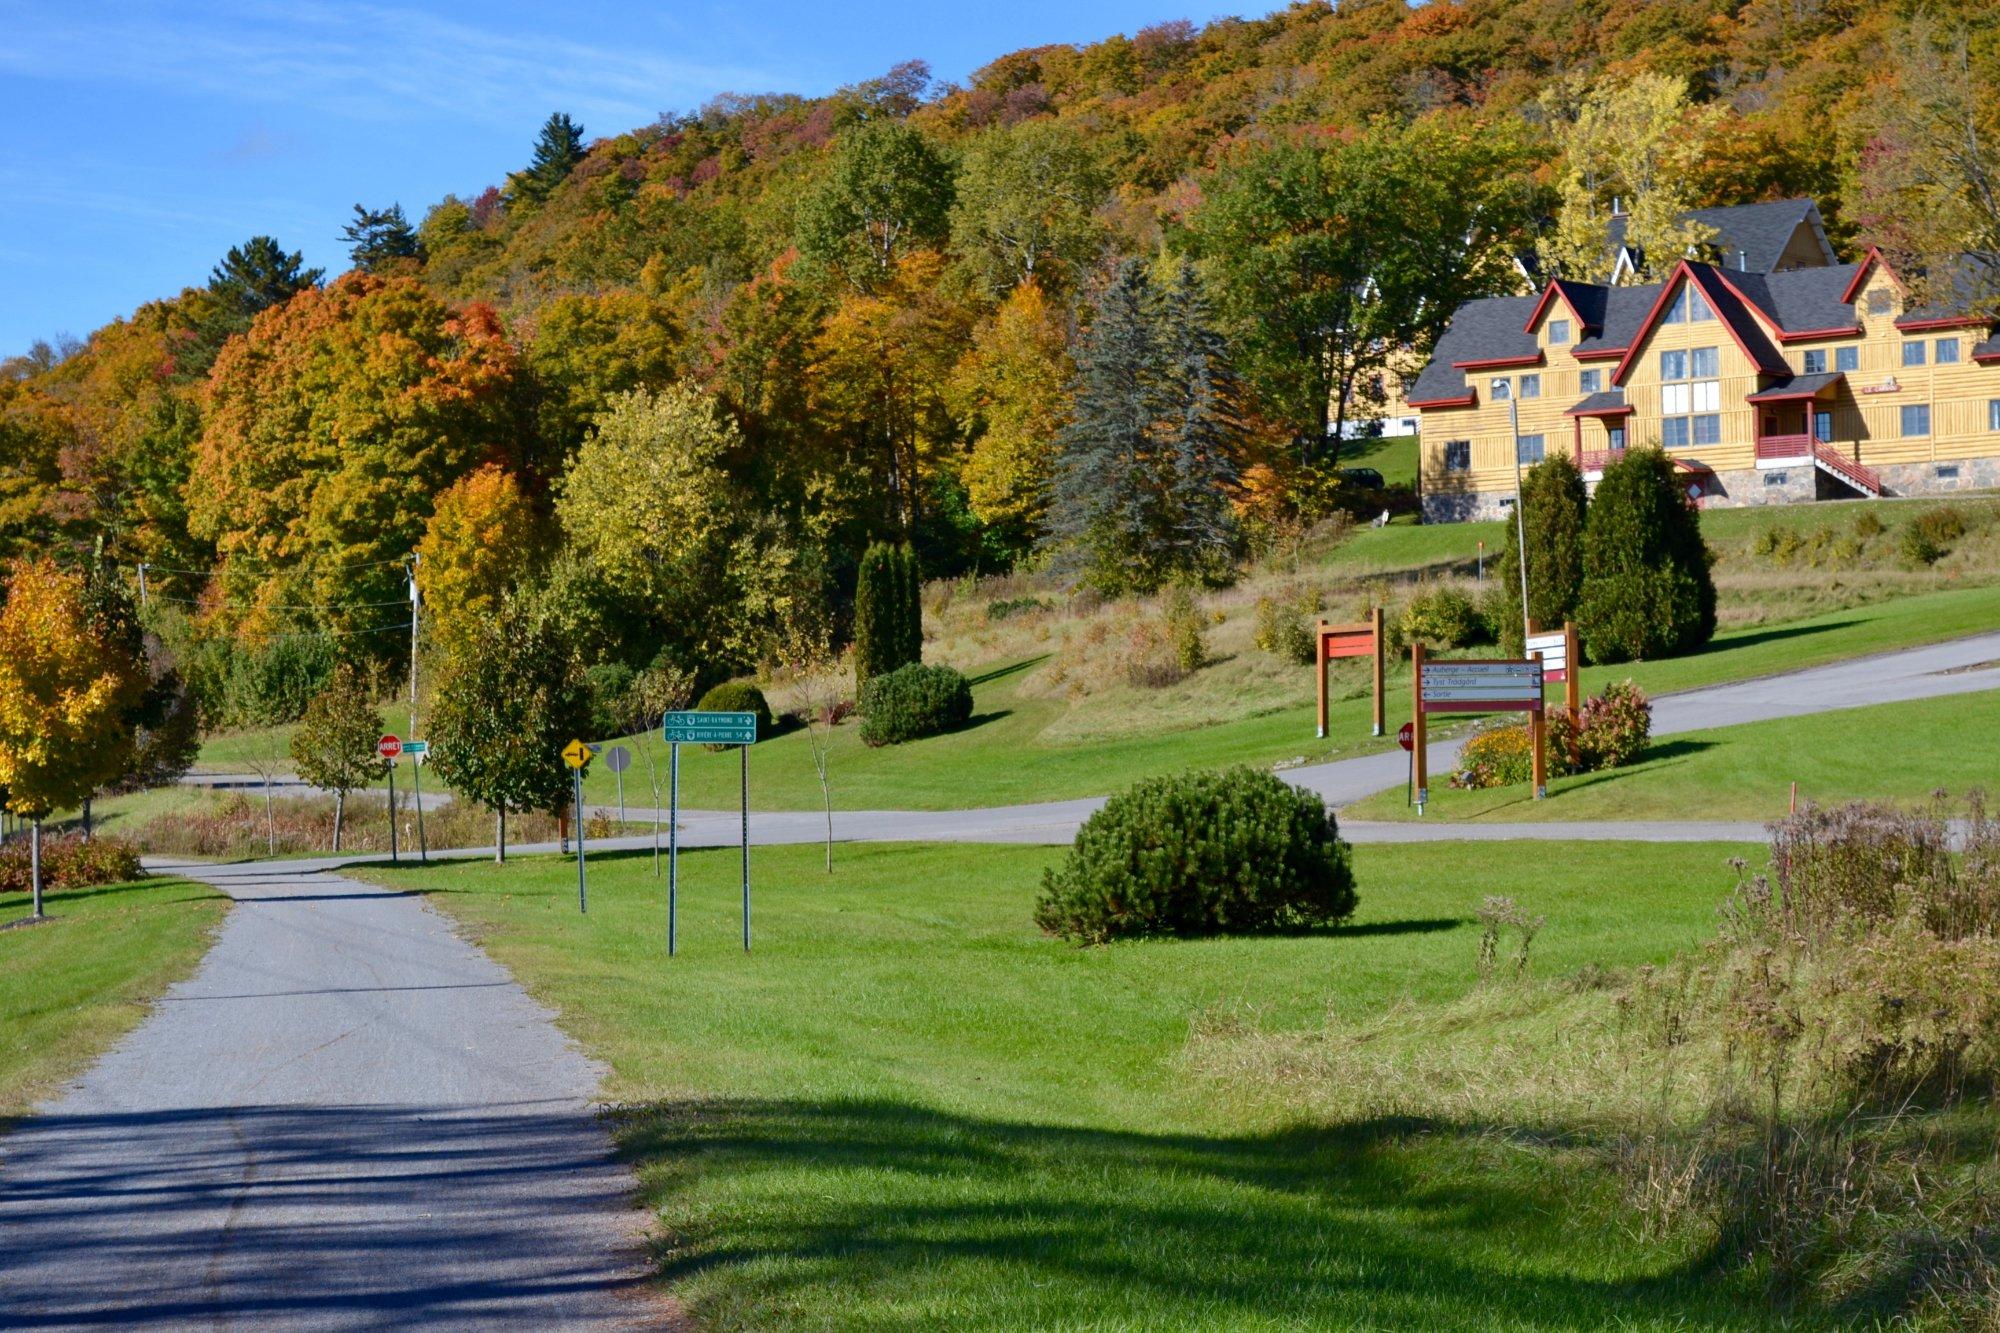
1009	390
67	692
483	539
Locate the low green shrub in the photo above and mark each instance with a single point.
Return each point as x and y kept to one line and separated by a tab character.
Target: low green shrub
1005	607
1284	629
1867	526
1442	617
1185	631
68	862
737	696
1611	731
1918	547
1201	854
913	701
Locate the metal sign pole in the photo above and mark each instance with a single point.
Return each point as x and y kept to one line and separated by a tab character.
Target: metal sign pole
417	787
673	841
582	902
745	752
392	813
1520	518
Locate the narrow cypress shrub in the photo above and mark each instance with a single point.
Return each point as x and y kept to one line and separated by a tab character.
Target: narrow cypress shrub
1647	592
885	610
910	607
1556	501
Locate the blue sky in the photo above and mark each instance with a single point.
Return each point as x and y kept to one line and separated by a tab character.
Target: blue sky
143	140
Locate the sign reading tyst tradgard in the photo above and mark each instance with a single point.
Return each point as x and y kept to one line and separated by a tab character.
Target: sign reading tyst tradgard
696	728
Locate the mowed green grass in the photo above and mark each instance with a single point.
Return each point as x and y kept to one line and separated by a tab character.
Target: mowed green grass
74	984
1892	752
1000	759
908	1108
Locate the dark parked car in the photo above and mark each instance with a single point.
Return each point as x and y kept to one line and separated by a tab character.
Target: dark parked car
1365	477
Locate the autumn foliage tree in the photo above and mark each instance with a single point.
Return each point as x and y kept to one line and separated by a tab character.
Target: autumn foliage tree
334	747
483	540
68	690
330	427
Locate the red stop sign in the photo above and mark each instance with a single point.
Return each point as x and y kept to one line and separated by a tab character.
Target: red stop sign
389	747
1406	736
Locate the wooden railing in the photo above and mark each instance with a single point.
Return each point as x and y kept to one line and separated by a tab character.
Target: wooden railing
1771	447
1596	460
1847	469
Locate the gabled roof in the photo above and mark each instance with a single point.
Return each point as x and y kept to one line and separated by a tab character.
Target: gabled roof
1729	307
1624	307
1804	303
1749	238
1585	301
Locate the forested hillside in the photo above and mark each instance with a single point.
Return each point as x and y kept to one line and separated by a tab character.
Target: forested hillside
1092	302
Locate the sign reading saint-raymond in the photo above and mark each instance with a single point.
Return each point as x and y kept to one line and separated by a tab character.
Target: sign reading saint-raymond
1488	686
700	728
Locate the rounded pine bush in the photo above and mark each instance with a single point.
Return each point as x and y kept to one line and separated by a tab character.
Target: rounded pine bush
737	696
1647	592
1201	854
913	701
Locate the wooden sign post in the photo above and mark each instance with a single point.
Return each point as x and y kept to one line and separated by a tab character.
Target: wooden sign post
1362	639
1475	685
1557	652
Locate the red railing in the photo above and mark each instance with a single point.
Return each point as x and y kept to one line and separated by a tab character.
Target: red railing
1596	460
1847	469
1771	447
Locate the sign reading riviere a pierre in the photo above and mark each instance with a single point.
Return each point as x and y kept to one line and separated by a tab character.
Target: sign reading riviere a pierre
1481	687
709	729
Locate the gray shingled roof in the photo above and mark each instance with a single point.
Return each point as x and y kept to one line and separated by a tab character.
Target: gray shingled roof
1973	282
1749	238
1624	308
1597	404
1797	386
1482	330
1803	299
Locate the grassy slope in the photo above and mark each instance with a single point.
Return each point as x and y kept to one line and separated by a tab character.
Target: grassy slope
72	986
908	1108
1899	752
1001	758
1394	456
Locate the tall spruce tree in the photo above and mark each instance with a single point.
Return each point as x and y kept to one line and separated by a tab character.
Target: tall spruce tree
1140	494
258	274
558	149
1556	501
1099	503
1198	535
378	238
888	611
1647	591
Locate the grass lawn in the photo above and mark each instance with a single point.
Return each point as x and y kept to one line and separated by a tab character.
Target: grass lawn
908	1108
1394	456
1002	758
1898	752
73	985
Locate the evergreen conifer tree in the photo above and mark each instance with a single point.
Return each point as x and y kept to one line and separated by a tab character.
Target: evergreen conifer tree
558	149
258	274
1197	533
378	238
1556	501
888	611
1647	592
1099	502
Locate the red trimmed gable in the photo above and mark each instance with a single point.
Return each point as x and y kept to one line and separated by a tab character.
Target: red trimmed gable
1860	278
1555	290
1722	299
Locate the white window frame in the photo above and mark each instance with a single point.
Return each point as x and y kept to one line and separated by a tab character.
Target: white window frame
1521	449
1691	402
1945	353
1590	381
1558	332
1915	353
1925	410
1501	389
1529	387
1847	360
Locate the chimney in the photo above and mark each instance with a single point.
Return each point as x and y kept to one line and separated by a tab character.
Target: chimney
1743	260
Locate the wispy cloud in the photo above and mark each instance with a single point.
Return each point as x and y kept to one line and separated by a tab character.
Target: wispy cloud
368	61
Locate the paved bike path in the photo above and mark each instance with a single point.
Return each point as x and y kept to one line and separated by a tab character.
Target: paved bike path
349	1117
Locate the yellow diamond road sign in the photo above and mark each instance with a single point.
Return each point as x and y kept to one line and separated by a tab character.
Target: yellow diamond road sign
576	754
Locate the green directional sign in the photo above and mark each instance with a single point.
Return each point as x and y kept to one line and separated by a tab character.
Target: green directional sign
709	729
417	749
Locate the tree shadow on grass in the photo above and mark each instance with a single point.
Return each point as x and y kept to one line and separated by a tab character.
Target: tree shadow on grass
1011	669
1773	634
55	898
855	1212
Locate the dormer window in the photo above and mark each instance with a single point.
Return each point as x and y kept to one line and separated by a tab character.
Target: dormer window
1558	332
1689	306
1880	302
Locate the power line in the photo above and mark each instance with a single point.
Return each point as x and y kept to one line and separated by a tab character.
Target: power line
277	606
276	569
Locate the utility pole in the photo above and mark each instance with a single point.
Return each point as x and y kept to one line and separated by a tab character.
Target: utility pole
416	761
1520	518
142	585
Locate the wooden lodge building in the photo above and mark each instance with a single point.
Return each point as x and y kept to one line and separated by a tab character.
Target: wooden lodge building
1774	376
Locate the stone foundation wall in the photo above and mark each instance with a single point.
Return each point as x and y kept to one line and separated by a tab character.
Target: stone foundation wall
1923	479
1466	506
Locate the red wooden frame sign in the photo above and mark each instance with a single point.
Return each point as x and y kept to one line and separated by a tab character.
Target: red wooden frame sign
1361	639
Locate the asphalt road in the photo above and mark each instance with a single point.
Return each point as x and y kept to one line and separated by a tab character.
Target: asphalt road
349	1117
